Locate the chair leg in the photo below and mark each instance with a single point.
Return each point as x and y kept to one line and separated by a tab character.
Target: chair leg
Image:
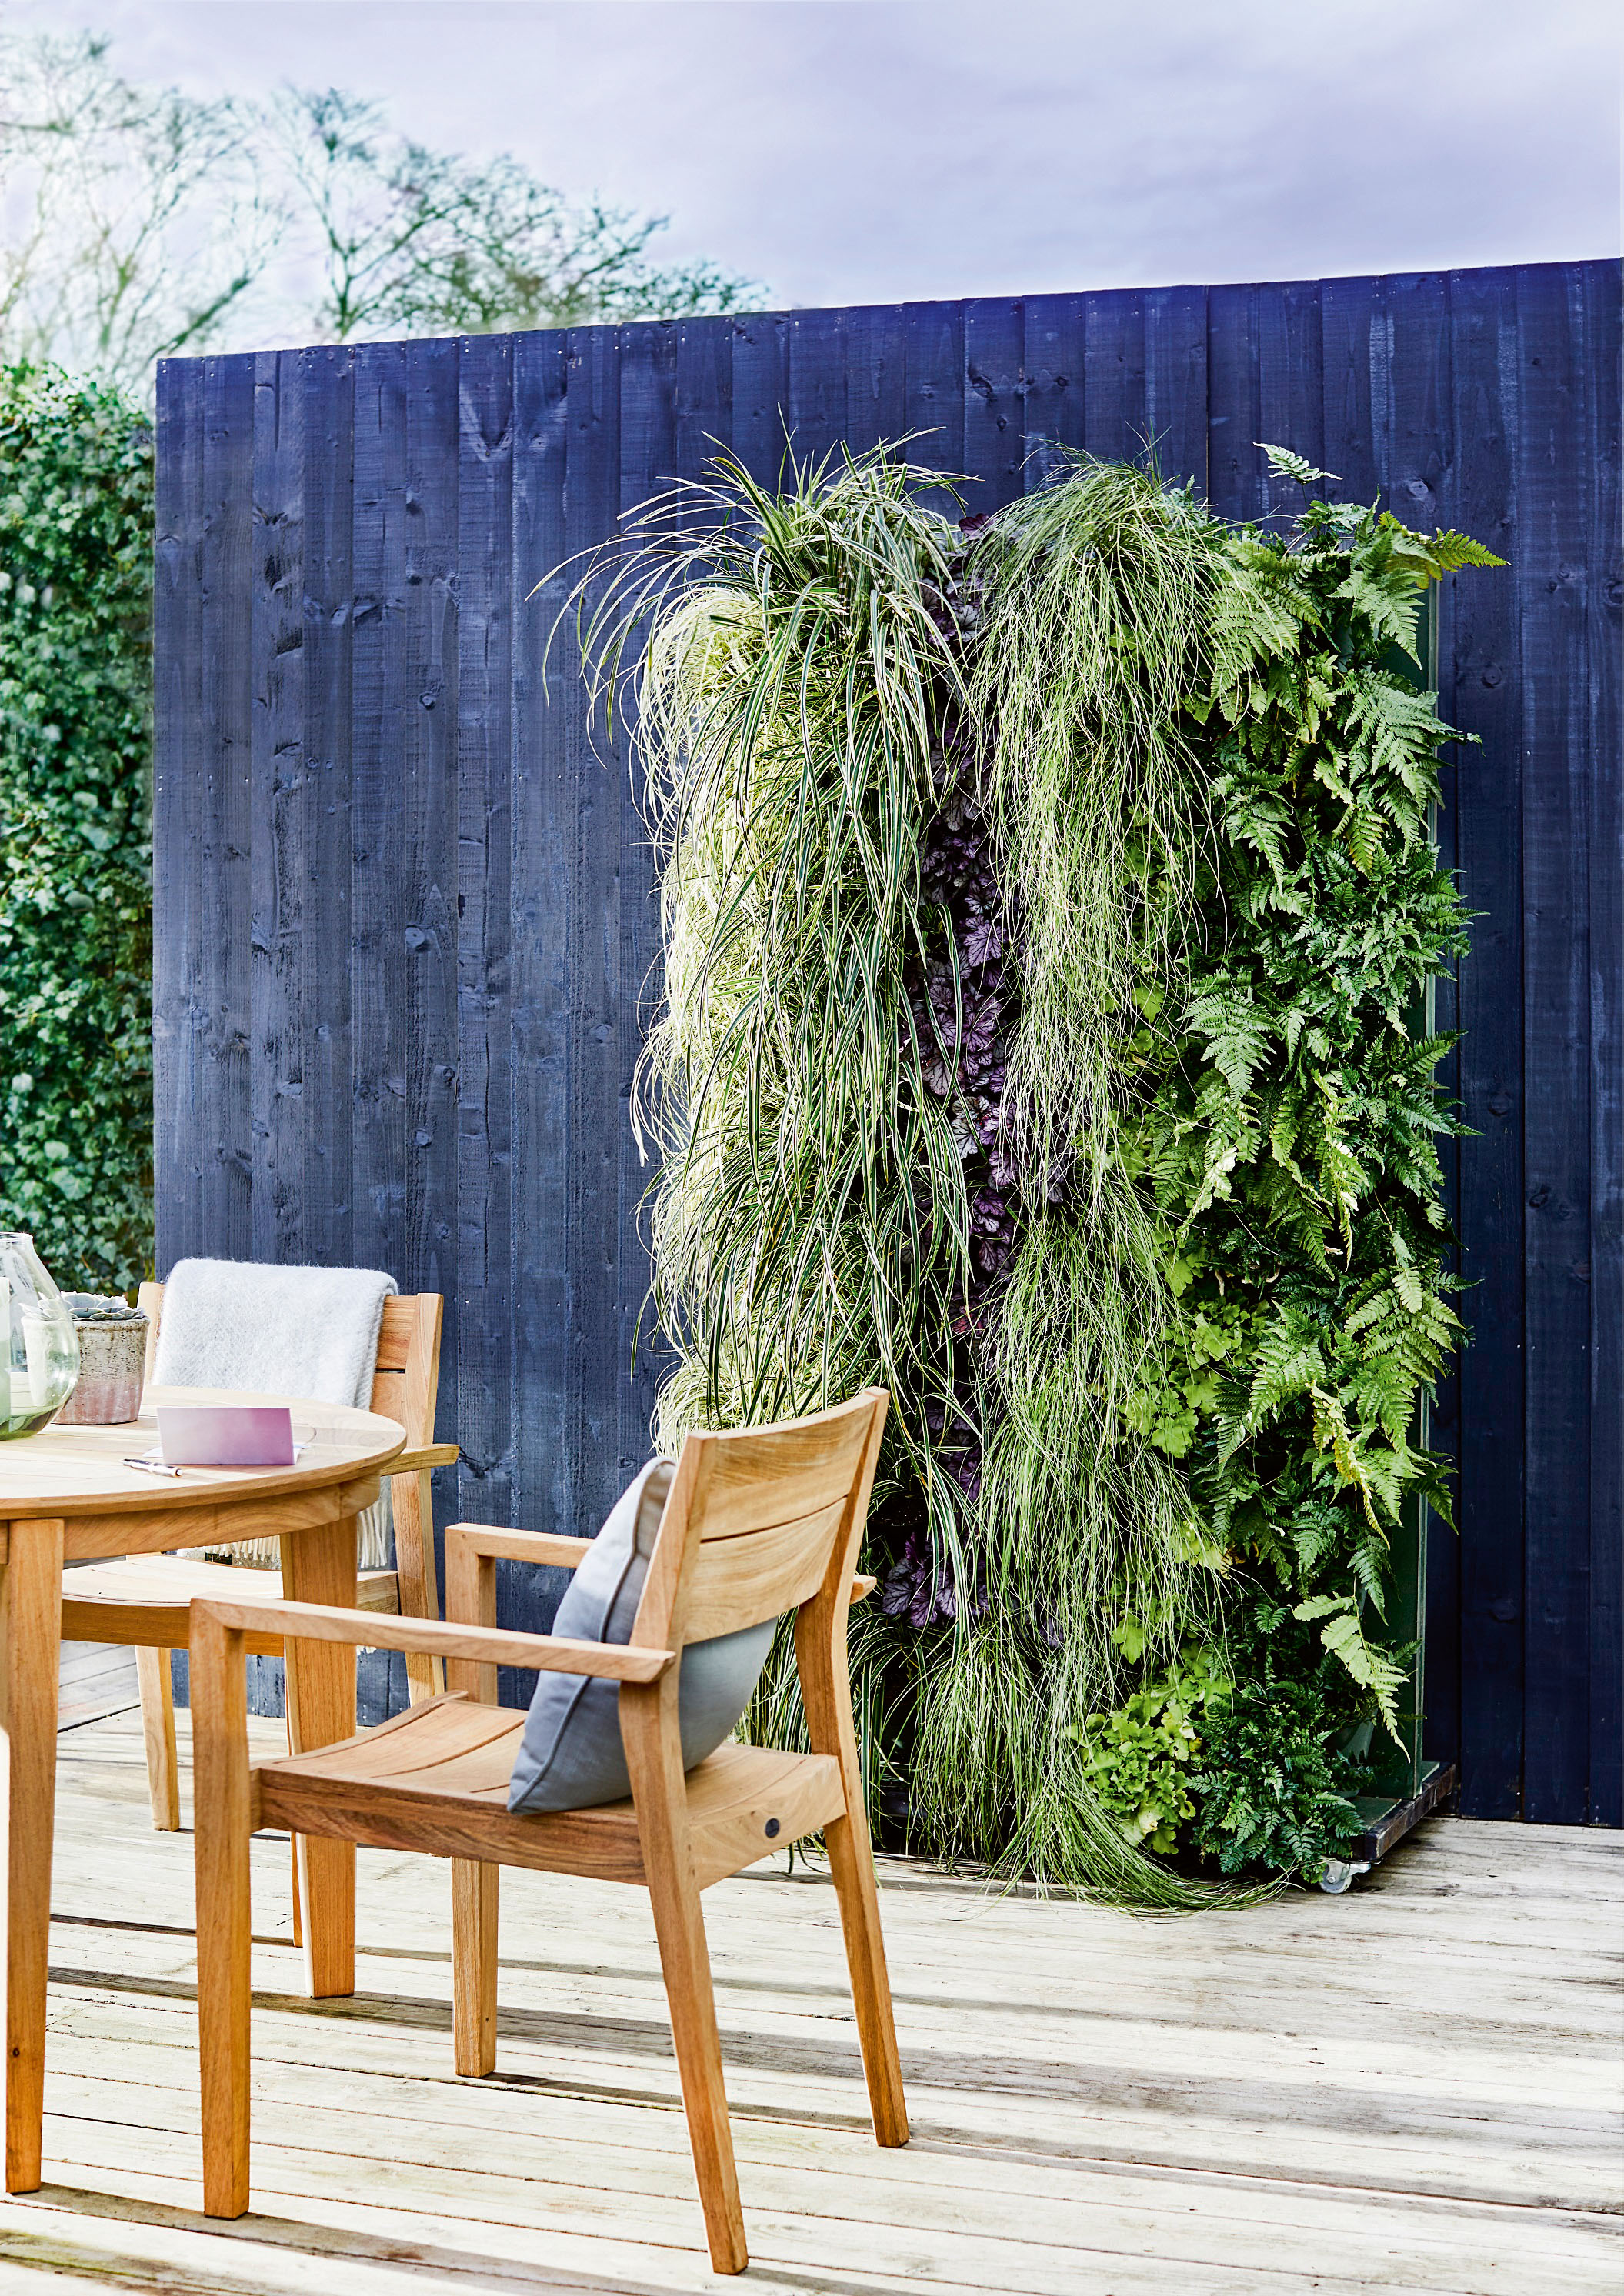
685	1959
288	1702
152	1672
851	1863
221	1828
473	1965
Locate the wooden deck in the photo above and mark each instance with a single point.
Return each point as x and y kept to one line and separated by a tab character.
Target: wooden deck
1414	2087
96	1679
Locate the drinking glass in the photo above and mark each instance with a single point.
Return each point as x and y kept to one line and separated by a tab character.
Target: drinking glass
39	1349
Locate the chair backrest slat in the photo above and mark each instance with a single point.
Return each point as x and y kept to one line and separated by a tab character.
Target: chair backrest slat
740	1581
407	1372
790	1471
756	1518
397	1332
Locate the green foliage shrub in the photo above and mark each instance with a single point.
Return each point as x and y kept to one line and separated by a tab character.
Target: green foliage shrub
1274	1784
76	525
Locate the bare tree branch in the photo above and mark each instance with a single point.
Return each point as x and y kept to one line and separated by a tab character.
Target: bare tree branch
147	219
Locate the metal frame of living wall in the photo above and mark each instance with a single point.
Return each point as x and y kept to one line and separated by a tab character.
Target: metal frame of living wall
405	931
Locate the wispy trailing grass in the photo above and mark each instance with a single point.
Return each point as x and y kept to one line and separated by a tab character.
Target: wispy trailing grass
810	1225
810	1221
1097	592
1096	597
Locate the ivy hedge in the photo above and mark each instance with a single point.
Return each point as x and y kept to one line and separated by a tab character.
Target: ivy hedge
76	529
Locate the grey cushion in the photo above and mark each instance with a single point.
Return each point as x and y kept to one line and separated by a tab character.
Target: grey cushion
571	1756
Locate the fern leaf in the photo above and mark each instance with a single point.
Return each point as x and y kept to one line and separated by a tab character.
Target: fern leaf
1285	464
1449	551
1344	1637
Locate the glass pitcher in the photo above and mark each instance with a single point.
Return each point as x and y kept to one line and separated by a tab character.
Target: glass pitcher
39	1349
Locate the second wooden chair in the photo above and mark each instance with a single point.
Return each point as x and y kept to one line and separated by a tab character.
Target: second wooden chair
146	1600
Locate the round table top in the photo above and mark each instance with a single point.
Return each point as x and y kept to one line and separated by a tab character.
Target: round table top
70	1471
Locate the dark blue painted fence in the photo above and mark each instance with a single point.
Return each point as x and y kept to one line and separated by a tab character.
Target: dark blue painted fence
404	915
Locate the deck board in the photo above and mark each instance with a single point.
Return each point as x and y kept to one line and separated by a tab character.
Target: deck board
95	1679
1414	2088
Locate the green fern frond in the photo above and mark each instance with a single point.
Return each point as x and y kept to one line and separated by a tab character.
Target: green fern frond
1285	464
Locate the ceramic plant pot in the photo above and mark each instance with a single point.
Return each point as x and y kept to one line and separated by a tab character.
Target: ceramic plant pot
39	1350
112	1356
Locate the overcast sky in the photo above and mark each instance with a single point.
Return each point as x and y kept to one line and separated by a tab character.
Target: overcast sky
864	151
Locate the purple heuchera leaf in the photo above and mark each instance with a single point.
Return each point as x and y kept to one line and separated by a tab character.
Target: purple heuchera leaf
916	1590
984	940
919	1586
1002	1166
980	1025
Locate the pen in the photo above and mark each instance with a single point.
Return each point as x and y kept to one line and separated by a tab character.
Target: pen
152	1467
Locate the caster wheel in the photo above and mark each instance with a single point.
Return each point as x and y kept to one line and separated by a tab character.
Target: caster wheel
1338	1876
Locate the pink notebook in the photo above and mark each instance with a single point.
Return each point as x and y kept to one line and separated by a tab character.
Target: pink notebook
225	1434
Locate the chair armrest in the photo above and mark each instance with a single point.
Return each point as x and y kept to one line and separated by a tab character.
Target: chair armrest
426	1455
489	1538
863	1587
322	1622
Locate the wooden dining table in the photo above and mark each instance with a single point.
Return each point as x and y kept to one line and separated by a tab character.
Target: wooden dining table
66	1496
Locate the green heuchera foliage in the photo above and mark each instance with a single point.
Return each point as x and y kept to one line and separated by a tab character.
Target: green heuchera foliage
1140	1756
76	513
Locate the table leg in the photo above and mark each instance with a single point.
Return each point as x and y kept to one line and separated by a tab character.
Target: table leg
319	1566
30	1641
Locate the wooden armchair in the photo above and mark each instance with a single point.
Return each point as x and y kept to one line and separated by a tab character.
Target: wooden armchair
146	1600
759	1522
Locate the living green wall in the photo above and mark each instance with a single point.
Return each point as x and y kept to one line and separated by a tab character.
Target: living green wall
76	523
1047	902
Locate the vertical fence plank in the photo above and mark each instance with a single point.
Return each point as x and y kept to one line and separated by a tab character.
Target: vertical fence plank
1420	485
428	742
1552	578
546	766
179	770
1291	390
1233	464
876	377
704	395
380	669
1481	635
1056	365
815	384
597	1372
282	849
1350	319
1116	413
760	389
216	1221
647	456
1601	289
428	737
1176	383
327	377
485	606
935	369
995	402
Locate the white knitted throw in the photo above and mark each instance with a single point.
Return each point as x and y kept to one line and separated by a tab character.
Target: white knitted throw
309	1332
